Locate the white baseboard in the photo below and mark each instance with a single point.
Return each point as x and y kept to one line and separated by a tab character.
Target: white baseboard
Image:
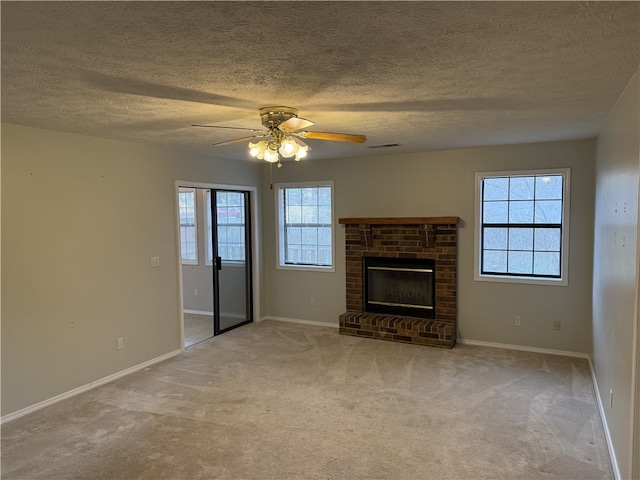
605	426
71	393
523	348
297	320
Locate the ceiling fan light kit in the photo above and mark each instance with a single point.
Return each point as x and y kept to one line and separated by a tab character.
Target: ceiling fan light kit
282	126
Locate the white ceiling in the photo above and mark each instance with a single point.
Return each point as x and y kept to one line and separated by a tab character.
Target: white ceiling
425	75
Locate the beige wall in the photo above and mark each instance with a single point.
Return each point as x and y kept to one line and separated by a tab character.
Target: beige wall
443	184
615	285
80	218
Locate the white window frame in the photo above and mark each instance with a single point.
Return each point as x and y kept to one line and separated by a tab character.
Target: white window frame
195	225
564	246
280	225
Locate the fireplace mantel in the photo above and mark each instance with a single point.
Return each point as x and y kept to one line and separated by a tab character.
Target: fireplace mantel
400	221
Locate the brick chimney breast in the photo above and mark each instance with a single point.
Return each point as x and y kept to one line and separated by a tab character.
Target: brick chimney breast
434	238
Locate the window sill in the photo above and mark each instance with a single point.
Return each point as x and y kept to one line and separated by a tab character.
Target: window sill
553	282
306	268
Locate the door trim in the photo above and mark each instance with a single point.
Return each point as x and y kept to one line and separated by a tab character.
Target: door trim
255	264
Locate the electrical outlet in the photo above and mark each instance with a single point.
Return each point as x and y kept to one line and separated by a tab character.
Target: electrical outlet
154	262
611	398
120	343
557	325
518	321
196	292
313	301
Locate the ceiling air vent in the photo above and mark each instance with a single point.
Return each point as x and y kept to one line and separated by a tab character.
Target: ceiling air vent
386	145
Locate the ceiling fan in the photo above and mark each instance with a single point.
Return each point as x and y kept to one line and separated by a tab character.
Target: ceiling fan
282	135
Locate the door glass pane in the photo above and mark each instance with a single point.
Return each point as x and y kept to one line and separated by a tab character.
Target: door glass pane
233	278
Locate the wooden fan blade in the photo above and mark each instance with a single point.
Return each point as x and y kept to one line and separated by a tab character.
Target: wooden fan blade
231	128
300	142
236	140
295	123
335	137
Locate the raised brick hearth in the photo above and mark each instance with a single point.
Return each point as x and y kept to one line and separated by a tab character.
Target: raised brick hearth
423	237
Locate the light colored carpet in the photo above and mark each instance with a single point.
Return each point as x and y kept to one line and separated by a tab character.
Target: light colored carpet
273	400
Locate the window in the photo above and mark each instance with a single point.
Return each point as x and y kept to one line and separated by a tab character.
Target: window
522	233
231	225
305	221
188	234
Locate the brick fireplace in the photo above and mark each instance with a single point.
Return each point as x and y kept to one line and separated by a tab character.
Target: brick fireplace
433	238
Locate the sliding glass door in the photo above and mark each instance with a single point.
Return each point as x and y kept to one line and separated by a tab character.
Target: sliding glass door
231	253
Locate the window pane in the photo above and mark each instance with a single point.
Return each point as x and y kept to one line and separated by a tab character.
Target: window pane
495	212
547	239
324	214
294	215
222	215
324	196
496	188
293	196
521	212
294	235
521	188
309	236
549	187
235	199
293	254
309	214
309	255
221	199
190	235
235	234
520	262
549	211
222	235
235	215
495	261
521	239
546	263
310	196
324	256
495	238
324	236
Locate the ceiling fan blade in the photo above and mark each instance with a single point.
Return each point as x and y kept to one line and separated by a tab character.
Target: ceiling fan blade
236	140
301	143
295	123
335	137
233	128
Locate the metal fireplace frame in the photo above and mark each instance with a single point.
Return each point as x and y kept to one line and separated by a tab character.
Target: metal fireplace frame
410	265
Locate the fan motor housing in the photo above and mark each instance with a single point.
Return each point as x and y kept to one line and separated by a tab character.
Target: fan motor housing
274	116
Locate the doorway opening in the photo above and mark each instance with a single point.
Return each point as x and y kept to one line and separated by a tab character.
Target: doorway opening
216	259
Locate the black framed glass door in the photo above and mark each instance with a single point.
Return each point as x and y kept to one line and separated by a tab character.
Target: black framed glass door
231	244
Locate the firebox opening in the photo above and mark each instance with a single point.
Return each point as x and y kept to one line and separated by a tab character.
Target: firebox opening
400	286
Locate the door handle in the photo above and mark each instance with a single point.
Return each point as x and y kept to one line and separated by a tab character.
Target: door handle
219	263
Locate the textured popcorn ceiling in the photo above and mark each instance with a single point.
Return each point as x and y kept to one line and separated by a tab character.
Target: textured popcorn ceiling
425	75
